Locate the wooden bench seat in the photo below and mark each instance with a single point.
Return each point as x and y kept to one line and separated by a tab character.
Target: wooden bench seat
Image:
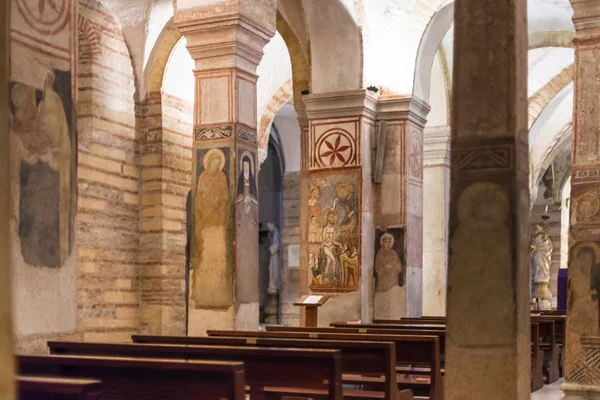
358	357
413	351
310	371
52	388
148	379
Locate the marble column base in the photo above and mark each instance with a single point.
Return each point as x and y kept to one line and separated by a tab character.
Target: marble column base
390	304
574	391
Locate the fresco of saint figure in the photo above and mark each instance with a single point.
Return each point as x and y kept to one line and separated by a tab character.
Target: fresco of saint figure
211	280
42	162
587	277
331	245
349	202
247	229
333	240
388	266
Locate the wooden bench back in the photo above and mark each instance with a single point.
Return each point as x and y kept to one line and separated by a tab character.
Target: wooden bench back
52	388
279	367
150	379
394	325
358	357
355	329
413	350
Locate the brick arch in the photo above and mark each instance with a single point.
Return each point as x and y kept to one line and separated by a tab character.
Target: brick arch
89	39
541	39
540	99
281	97
159	57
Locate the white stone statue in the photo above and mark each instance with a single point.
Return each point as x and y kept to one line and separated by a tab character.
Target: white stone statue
542	253
274	261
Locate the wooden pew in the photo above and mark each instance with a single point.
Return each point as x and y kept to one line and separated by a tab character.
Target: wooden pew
396	328
537	359
149	379
545	329
282	371
429	325
415	355
358	357
52	388
355	329
549	346
560	330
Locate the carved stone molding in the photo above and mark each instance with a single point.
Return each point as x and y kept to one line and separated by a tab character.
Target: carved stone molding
245	133
212	133
482	158
436	146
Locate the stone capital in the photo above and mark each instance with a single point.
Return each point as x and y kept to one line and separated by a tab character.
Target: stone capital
436	146
228	41
353	103
395	108
586	18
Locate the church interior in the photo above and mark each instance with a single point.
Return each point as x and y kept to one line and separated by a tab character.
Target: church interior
300	199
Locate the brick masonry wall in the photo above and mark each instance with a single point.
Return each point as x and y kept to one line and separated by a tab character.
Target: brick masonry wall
167	124
108	180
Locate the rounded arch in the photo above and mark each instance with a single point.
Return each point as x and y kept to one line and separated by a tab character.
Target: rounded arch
540	100
335	46
89	39
281	97
159	57
438	27
560	38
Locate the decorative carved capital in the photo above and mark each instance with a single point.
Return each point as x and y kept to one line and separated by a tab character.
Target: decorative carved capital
586	18
229	40
352	103
396	108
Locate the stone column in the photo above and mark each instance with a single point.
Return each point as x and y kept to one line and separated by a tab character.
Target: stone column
584	240
488	325
336	203
399	208
6	327
227	47
436	183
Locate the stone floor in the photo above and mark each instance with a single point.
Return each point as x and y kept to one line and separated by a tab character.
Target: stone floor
549	392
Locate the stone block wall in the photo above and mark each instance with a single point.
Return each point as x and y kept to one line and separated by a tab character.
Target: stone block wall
290	236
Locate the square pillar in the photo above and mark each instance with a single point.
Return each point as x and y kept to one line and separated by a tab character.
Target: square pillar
224	254
337	248
436	183
488	347
399	209
583	318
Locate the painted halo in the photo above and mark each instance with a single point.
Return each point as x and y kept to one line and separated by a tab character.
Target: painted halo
210	154
386	235
247	154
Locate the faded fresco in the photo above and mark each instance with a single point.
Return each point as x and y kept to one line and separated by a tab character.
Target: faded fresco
212	259
584	277
333	232
389	259
43	168
246	228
